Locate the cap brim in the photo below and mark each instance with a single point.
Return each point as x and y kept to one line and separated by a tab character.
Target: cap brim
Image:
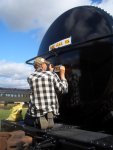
47	62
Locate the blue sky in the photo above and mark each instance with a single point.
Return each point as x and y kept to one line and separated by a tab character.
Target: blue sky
23	24
17	46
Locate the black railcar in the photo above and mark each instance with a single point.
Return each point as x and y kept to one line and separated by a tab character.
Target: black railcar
82	40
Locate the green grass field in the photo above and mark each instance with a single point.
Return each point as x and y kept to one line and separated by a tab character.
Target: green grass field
4	113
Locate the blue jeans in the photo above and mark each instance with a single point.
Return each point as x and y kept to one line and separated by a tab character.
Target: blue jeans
29	120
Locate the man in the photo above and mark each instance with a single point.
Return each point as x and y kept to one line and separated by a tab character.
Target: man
44	102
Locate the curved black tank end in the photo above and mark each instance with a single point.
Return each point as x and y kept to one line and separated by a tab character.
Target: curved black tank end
88	61
80	23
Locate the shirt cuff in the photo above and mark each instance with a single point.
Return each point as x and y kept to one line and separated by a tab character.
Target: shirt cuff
63	80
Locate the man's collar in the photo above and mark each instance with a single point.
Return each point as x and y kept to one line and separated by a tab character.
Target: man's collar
38	70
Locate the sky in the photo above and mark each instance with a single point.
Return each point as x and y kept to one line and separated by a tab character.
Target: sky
23	24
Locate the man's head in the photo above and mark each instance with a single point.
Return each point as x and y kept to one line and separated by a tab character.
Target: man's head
41	62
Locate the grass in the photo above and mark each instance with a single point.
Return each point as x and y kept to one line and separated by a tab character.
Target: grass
4	113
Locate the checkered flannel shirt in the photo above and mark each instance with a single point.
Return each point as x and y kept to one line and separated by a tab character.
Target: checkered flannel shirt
43	98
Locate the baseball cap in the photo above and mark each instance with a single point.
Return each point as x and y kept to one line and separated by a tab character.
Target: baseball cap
40	60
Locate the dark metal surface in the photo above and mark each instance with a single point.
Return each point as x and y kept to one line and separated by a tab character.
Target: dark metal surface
88	61
81	23
63	137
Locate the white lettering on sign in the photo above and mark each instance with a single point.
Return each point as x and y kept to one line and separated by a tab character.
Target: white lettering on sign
61	43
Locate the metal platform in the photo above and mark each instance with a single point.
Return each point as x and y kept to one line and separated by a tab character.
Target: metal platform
63	136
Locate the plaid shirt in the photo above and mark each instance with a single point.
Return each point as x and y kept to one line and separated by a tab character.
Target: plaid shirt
43	98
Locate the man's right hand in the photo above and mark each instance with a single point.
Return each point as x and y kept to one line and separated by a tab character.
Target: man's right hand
62	72
51	67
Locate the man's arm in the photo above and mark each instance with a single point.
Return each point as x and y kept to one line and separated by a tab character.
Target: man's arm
61	83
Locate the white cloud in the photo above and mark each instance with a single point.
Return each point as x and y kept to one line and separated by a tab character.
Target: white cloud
26	15
14	75
107	5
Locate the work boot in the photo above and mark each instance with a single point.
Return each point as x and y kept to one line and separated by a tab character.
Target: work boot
50	119
41	122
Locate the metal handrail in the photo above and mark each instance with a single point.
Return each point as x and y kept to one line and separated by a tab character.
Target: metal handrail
54	51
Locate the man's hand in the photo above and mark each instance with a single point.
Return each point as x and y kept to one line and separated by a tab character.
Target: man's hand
62	72
51	67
